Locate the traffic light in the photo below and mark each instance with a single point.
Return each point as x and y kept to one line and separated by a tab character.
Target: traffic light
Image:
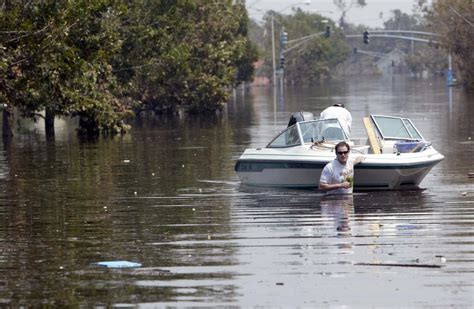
366	37
327	33
284	39
282	62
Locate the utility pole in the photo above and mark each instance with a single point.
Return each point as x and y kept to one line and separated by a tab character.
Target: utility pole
273	51
306	2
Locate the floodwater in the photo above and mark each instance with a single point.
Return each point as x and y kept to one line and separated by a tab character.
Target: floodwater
166	196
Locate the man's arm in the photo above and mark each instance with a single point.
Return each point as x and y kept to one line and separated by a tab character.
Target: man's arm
359	159
333	186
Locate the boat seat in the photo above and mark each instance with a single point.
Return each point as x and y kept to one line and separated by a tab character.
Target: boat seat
333	133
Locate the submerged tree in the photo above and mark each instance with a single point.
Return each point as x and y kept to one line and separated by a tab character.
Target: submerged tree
56	57
99	59
184	55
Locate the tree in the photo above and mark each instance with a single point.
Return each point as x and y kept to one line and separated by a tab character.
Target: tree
399	21
184	55
315	58
57	56
99	59
344	6
245	61
453	20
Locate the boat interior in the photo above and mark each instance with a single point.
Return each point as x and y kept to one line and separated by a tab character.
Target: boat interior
385	134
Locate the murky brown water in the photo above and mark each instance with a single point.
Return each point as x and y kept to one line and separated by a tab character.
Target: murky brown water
166	196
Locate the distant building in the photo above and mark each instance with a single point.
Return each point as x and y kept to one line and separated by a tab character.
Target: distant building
260	79
392	63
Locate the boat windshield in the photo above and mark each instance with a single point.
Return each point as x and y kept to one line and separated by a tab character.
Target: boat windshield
288	138
322	130
396	128
311	131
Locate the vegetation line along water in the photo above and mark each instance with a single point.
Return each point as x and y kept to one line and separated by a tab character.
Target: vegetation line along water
106	62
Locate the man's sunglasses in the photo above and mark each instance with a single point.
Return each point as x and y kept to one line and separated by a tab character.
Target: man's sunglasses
342	152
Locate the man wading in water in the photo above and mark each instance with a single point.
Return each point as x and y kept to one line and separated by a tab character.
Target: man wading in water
337	176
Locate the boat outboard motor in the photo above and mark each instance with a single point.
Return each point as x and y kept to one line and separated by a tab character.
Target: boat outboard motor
300	116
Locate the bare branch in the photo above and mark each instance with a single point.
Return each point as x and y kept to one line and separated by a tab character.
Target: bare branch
464	18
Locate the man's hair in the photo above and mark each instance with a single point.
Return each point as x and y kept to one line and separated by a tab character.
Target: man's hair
341	144
339	105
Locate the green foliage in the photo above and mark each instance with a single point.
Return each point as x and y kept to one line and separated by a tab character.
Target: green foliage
313	59
185	55
453	20
99	59
59	54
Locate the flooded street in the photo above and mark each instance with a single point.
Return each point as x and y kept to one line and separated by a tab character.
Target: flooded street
166	196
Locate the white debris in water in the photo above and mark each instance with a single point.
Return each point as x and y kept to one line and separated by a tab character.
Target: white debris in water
126	161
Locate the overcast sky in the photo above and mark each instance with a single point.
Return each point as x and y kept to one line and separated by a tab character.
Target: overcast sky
368	15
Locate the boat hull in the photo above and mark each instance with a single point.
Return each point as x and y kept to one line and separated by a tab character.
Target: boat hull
377	172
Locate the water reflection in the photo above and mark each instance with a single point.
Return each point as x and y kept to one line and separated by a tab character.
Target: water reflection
340	209
166	196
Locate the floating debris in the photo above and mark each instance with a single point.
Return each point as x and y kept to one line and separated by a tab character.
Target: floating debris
400	265
118	264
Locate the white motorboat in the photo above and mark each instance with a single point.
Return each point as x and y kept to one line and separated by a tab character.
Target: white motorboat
396	154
